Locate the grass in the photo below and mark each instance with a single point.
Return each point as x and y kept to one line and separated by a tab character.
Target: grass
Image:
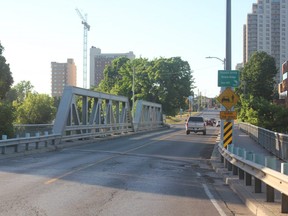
178	118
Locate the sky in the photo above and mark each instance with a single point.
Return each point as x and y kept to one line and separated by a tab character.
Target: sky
35	33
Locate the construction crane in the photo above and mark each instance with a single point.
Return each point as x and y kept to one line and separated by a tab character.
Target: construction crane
86	29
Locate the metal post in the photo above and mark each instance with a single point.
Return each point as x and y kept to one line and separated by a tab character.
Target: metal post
228	35
133	88
228	51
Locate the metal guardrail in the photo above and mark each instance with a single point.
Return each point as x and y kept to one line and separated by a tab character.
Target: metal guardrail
247	165
22	129
28	143
276	143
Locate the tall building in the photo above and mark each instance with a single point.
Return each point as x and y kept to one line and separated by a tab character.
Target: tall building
267	30
99	60
62	74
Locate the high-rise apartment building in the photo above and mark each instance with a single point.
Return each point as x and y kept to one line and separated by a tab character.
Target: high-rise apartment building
98	62
62	74
267	30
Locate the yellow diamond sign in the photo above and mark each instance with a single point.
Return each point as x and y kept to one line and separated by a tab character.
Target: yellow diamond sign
228	98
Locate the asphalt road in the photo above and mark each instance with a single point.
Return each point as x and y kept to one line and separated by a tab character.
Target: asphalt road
158	173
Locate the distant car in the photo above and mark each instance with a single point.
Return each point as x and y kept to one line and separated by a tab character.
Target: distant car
195	124
209	122
218	123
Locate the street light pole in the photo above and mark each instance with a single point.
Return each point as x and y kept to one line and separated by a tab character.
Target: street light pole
221	90
222	60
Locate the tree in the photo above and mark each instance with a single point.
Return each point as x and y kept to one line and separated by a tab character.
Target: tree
6	119
6	111
6	79
19	92
263	113
111	75
36	109
165	81
173	83
258	76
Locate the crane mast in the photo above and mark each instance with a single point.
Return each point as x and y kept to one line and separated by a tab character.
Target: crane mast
86	29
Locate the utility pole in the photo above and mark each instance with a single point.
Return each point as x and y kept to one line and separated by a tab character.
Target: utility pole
86	29
228	36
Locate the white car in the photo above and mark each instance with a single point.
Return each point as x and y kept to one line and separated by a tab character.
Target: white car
195	124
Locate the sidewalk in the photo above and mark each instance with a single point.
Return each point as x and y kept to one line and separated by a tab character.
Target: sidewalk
256	202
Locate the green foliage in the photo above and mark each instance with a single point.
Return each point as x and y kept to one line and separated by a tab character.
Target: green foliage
36	109
256	92
6	111
263	113
20	91
6	79
165	81
6	119
258	76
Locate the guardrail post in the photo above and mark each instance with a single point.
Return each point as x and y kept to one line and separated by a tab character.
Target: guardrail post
241	174
240	153
46	133
37	143
27	135
4	137
258	185
284	203
230	149
259	159
248	177
229	166
270	162
225	163
235	168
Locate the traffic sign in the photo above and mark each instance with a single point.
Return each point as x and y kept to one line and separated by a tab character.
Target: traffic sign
228	134
228	115
228	78
228	98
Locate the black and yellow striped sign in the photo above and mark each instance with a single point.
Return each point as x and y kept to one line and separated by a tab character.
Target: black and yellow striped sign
227	134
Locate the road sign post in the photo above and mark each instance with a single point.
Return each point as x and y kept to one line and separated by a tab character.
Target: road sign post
228	99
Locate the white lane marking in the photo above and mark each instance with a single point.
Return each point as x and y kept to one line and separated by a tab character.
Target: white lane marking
214	202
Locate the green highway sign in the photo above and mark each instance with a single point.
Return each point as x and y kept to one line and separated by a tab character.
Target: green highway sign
228	78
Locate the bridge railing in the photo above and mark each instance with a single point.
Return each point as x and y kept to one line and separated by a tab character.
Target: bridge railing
276	143
84	114
147	116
